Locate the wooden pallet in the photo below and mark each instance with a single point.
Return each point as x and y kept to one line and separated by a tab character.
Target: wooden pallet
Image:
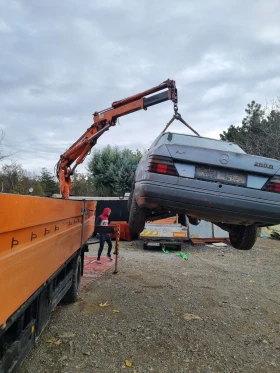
203	241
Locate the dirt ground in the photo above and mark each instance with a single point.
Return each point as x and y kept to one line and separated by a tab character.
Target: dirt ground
219	311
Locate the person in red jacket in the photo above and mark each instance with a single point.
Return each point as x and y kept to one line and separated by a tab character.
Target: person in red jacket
104	237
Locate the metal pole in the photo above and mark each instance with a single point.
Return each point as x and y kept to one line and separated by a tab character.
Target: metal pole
117	248
83	222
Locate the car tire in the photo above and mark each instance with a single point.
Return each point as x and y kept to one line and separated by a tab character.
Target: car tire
193	221
129	201
182	219
244	238
73	293
137	217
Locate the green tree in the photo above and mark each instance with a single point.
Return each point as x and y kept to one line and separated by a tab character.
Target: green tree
37	189
49	183
82	185
259	133
11	178
14	179
111	170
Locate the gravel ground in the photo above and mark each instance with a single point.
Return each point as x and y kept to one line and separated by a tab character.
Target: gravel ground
217	312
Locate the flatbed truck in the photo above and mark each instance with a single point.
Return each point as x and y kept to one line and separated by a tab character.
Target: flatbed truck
42	246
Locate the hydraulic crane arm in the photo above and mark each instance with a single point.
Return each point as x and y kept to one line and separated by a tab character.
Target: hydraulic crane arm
102	121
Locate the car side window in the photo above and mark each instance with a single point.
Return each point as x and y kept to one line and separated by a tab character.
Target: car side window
159	141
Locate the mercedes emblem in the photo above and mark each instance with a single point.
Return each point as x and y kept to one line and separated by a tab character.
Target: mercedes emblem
224	158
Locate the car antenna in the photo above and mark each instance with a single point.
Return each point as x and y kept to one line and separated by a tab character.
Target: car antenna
179	117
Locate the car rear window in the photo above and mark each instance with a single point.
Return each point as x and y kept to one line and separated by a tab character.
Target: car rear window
201	142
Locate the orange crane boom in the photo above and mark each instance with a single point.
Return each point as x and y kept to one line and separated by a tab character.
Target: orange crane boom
102	121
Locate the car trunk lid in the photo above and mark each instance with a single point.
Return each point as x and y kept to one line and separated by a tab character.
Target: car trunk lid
217	165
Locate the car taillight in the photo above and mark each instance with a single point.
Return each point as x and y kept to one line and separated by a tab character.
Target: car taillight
162	166
273	185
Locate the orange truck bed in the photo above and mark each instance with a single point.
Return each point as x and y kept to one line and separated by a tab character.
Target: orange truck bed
37	236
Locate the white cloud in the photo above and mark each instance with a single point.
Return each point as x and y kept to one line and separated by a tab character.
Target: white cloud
220	93
211	65
4	27
271	34
63	60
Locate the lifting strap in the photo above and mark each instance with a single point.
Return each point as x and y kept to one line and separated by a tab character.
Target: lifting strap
178	117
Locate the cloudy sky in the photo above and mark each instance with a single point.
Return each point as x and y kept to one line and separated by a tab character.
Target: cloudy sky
62	60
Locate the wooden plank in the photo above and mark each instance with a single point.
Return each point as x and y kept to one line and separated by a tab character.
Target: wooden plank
202	241
197	241
213	239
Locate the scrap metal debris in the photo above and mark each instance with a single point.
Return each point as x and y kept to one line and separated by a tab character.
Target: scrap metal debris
191	316
185	256
104	304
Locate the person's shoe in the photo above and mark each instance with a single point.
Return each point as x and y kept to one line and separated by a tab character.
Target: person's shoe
109	256
98	261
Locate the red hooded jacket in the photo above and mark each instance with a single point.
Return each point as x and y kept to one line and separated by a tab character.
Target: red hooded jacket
104	218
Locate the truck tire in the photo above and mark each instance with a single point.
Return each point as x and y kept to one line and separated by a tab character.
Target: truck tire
73	293
244	238
145	246
137	217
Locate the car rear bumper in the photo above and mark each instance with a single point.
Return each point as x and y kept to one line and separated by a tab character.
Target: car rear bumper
208	204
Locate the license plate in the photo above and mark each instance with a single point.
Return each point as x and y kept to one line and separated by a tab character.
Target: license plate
153	244
214	174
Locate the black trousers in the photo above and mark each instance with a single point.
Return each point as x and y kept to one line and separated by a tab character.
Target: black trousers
104	239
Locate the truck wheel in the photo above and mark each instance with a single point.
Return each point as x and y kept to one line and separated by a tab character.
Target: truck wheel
145	246
73	293
137	217
244	238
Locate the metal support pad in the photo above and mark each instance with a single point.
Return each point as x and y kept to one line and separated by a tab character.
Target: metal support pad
104	229
156	99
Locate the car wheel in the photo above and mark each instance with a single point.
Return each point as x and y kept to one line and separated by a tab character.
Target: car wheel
244	238
182	219
129	201
137	217
194	221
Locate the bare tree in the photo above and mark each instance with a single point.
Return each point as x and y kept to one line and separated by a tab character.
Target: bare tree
2	135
